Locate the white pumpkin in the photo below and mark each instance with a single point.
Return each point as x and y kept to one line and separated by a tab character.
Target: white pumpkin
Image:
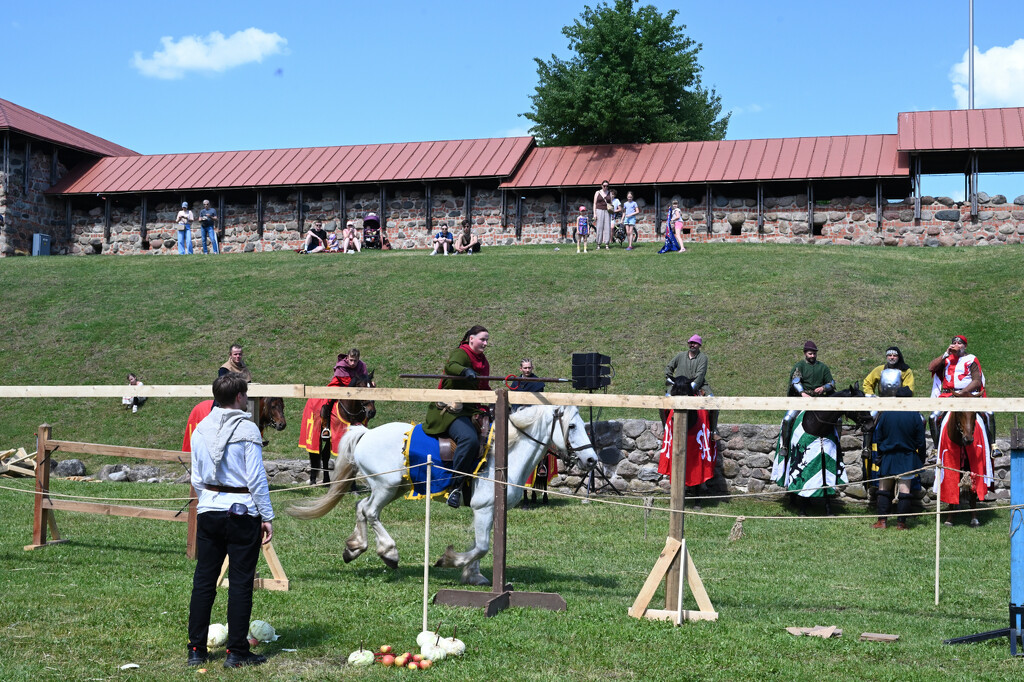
360	658
426	637
454	647
435	652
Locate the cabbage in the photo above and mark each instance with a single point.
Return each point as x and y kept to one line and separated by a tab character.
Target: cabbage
360	658
217	635
262	631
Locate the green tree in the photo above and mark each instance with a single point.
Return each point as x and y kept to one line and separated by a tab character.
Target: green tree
634	78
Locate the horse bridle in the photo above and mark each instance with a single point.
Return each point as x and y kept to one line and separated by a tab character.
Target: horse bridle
352	417
570	449
270	420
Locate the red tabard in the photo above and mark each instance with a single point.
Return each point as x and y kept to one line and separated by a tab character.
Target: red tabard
977	461
701	451
198	414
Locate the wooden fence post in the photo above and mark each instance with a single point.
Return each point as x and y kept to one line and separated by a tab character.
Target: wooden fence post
677	498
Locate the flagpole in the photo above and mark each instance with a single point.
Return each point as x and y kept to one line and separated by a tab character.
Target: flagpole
970	60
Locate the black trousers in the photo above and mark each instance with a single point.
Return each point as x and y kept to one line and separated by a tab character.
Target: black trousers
467	446
219	534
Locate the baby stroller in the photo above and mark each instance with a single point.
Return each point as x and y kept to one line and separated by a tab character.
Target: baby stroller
374	236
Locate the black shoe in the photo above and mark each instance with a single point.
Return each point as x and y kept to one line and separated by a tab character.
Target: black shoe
196	657
455	498
234	660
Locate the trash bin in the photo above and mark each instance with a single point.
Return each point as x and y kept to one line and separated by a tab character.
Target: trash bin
40	244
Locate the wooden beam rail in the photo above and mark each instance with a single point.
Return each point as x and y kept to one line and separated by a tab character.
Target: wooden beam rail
419	395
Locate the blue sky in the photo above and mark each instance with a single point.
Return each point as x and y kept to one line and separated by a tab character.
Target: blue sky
156	77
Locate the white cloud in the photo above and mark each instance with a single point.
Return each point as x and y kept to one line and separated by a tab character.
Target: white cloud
518	131
998	77
213	53
748	109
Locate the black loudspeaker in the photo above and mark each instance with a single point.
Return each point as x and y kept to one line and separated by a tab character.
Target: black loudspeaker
591	370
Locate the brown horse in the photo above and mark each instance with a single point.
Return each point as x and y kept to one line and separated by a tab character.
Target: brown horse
349	409
269	411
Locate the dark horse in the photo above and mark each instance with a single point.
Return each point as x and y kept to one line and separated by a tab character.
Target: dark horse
791	464
683	386
960	430
352	411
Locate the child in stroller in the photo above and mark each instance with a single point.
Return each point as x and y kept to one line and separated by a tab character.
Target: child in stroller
374	235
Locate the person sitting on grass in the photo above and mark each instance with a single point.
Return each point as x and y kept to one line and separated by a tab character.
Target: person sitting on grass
316	240
350	241
134	402
467	243
443	240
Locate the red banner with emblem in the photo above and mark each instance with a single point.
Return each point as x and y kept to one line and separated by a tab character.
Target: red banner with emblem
973	458
309	434
701	450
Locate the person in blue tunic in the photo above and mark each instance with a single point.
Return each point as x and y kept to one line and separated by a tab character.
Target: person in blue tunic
900	438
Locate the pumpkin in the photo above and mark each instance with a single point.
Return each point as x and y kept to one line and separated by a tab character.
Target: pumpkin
426	637
454	647
433	652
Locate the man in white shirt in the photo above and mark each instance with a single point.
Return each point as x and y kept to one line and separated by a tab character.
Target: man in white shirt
184	220
234	519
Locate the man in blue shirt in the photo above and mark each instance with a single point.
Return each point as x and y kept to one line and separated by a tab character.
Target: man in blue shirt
208	225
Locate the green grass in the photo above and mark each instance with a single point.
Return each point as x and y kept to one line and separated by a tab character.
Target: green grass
90	320
118	593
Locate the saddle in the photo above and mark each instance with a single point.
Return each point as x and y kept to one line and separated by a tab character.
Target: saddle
447	445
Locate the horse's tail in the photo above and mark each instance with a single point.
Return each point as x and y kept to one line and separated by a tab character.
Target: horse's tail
344	467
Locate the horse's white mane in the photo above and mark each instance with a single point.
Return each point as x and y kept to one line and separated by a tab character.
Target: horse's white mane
524	418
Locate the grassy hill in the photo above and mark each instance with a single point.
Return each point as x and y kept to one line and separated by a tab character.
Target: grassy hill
90	320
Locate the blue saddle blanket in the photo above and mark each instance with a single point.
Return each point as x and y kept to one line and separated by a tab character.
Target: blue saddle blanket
418	446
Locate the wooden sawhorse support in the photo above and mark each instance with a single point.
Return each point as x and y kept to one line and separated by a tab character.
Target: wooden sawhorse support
279	583
675	564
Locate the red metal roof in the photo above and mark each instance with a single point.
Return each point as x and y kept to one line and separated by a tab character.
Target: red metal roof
496	157
28	122
799	158
961	129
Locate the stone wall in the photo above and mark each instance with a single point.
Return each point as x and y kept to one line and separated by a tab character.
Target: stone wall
846	220
744	465
22	214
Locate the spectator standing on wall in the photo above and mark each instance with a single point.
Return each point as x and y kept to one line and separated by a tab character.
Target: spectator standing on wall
676	219
602	217
184	220
582	229
208	225
616	216
443	240
467	242
630	212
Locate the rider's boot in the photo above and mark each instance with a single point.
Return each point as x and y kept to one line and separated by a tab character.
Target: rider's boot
934	425
455	496
902	509
314	464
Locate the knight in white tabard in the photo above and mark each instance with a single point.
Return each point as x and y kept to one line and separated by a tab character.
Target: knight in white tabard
957	373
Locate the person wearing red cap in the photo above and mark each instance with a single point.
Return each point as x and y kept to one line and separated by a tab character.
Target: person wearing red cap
957	372
693	363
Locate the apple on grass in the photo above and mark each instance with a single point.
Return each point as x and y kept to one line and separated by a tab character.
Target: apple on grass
412	665
386	649
417	657
387	660
425	663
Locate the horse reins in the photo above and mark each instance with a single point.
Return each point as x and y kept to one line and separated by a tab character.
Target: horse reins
570	449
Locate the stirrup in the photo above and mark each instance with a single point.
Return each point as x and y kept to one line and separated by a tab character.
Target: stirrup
325	433
455	498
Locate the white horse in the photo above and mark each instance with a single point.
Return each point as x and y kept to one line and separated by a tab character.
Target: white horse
377	454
